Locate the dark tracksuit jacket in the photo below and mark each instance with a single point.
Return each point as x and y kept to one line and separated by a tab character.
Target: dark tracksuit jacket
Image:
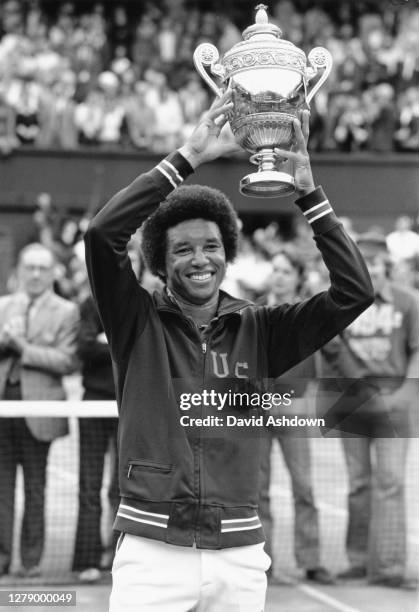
199	486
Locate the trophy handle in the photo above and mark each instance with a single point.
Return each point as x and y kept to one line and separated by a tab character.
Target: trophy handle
207	55
318	58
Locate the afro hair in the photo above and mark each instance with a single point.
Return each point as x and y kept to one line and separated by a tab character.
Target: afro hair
188	202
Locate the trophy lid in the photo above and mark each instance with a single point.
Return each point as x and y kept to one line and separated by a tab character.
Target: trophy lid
263	47
262	28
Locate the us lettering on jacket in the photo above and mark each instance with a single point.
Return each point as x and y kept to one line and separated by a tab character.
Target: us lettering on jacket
222	368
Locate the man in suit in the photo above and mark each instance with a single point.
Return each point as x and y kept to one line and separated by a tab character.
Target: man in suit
37	347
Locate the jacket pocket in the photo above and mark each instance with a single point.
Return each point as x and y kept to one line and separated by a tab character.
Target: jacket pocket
148	480
147	465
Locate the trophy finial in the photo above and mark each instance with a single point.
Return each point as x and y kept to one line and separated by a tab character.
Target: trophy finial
262	28
261	14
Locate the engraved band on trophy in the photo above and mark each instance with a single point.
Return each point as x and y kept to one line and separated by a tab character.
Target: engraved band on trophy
269	80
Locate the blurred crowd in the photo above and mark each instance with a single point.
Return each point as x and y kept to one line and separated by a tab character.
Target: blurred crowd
120	75
248	277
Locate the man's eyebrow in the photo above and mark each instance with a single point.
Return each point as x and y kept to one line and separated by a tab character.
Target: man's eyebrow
178	243
181	242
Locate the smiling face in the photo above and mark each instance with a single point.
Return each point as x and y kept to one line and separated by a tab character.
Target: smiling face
195	260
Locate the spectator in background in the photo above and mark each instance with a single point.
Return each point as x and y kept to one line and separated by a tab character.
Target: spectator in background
167	110
121	31
230	35
110	132
121	65
88	117
407	134
193	99
376	365
382	118
289	20
348	60
372	34
404	272
302	242
58	124
90	51
35	21
61	234
140	117
62	31
285	286
13	17
246	276
317	276
37	348
25	96
403	242
315	23
406	40
169	32
97	435
351	130
145	43
349	227
45	219
268	241
8	140
188	40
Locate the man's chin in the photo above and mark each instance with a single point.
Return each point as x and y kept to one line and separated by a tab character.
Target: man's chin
199	297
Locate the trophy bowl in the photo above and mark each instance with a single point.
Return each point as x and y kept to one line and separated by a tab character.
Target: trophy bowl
268	78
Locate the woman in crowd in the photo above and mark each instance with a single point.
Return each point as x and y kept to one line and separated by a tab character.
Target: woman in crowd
286	285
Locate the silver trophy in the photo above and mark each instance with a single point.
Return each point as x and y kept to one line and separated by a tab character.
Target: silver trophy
269	80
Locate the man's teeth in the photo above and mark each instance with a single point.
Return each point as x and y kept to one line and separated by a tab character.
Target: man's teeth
201	277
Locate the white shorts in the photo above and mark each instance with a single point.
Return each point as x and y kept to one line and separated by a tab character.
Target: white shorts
152	576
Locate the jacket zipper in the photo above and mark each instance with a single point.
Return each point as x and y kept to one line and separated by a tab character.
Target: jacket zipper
198	443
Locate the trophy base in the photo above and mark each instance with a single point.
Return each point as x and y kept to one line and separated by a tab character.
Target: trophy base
267	184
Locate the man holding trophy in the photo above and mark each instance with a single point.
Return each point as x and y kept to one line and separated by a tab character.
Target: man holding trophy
191	538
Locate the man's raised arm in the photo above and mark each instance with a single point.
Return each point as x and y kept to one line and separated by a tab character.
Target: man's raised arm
118	296
296	331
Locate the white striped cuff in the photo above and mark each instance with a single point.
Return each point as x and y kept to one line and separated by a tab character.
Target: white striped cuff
246	524
140	516
318	211
168	170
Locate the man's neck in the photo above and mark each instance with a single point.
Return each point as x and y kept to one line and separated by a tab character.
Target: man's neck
33	299
201	314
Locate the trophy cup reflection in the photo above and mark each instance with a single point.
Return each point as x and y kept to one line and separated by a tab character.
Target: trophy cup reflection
269	80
